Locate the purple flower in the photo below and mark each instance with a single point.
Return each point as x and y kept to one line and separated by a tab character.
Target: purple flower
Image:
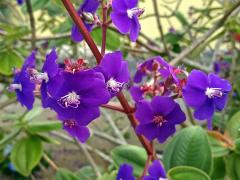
80	132
22	84
125	15
206	93
20	2
115	71
86	12
125	172
79	96
154	64
137	93
158	118
221	67
156	172
51	78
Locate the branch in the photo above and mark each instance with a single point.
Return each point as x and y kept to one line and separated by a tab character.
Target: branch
32	23
156	11
200	40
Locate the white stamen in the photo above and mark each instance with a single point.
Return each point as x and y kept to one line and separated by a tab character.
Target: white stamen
13	87
88	17
214	92
114	86
72	100
135	11
37	77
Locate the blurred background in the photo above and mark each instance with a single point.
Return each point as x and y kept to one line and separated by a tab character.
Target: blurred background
197	34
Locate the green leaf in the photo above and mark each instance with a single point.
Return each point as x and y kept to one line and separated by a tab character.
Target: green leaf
237	146
86	173
9	137
218	148
189	147
8	61
44	126
108	176
181	18
219	169
26	154
187	173
113	39
233	126
36	111
130	154
64	174
47	139
233	166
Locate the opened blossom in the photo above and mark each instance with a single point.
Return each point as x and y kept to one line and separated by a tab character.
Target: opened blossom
206	94
158	118
156	172
79	96
125	16
22	84
75	130
115	71
125	172
87	12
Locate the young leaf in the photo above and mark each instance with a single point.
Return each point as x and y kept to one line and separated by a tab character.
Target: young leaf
44	126
26	154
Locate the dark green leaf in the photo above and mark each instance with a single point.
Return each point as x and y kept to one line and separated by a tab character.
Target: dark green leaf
219	169
187	173
189	147
130	154
26	154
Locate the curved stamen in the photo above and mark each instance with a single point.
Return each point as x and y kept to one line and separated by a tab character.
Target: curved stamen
114	86
13	87
214	92
159	120
135	11
72	100
36	76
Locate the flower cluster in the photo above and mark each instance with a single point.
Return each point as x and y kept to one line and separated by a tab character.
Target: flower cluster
74	92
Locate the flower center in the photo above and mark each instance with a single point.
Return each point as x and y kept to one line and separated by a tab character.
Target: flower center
114	86
36	76
159	120
214	92
74	66
135	11
13	87
72	100
69	123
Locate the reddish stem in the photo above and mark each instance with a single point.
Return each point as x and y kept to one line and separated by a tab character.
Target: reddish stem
112	107
104	27
149	159
127	108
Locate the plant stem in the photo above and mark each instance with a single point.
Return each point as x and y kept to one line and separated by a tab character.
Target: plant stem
128	109
104	27
156	11
89	158
112	107
32	24
50	162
